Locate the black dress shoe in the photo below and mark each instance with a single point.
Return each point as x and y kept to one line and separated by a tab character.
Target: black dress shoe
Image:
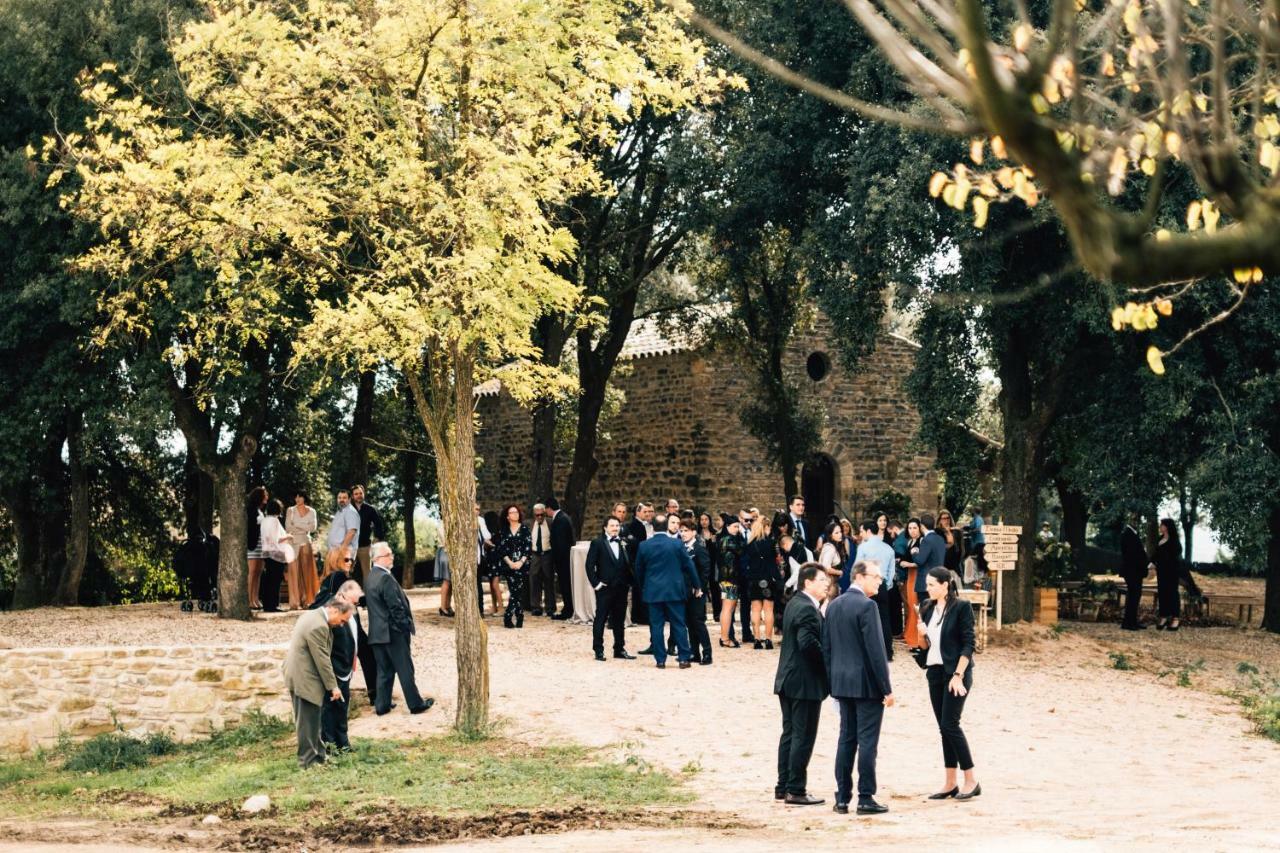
945	795
779	795
600	656
535	612
871	807
684	664
390	708
803	800
662	666
624	655
840	808
425	706
647	650
562	617
706	661
976	792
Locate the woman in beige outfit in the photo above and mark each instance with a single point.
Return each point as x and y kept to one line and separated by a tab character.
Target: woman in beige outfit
300	523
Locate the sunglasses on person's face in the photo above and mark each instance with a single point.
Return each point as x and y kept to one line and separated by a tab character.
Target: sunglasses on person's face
348	560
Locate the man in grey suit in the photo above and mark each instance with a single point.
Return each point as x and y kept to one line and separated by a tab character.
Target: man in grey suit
390	627
308	674
853	647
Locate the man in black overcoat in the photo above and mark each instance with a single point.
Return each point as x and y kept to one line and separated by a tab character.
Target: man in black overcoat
562	539
801	685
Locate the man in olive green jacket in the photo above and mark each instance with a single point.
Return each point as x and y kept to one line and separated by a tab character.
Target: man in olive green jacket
308	673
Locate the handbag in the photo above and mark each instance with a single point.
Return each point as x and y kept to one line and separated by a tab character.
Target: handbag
921	657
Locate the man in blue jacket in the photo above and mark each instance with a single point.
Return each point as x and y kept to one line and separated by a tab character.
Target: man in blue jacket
932	555
665	574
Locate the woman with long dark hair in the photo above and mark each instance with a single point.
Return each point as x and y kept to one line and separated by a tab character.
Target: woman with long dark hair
711	541
512	550
834	556
947	625
1167	562
907	563
277	553
255	503
953	557
728	555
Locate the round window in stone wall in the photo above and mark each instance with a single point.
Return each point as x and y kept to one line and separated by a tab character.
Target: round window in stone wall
818	366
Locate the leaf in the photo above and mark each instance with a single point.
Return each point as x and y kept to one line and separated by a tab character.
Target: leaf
980	208
1155	361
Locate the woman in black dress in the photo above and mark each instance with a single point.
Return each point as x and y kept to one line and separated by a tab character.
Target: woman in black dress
512	550
763	581
1167	562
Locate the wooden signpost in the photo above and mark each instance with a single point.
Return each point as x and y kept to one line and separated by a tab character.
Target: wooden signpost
1002	556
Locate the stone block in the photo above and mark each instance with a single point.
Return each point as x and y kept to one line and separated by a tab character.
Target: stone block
76	703
207	674
15	740
186	699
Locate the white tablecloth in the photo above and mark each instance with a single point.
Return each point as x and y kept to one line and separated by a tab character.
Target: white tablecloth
584	597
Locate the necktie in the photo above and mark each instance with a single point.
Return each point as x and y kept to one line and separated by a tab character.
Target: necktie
538	542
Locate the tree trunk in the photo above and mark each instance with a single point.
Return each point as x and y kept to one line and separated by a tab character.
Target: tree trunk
551	334
78	535
233	589
1020	480
409	503
1188	515
31	557
1075	518
361	426
1271	607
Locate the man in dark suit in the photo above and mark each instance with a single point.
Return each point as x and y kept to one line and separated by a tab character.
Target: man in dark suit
805	532
346	642
609	572
1133	568
639	529
390	627
562	538
664	570
853	647
695	609
931	555
801	685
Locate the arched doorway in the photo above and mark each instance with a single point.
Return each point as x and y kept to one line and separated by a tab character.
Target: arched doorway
818	485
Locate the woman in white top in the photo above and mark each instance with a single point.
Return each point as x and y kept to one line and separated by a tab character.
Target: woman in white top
835	553
299	524
946	622
277	553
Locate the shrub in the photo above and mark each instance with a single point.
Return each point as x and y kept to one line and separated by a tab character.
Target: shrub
1264	712
893	504
1119	660
110	751
255	727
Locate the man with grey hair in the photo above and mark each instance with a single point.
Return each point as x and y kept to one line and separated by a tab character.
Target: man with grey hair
390	627
309	676
346	647
542	571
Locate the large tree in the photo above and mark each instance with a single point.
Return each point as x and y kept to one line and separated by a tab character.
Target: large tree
404	153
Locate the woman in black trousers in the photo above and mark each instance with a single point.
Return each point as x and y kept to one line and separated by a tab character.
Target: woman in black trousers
1167	562
947	626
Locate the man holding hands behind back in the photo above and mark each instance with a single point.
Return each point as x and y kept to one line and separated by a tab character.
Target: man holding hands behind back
664	571
853	646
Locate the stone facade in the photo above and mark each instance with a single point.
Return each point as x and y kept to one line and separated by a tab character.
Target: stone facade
679	433
183	690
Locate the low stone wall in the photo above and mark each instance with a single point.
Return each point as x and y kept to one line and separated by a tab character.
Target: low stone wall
184	690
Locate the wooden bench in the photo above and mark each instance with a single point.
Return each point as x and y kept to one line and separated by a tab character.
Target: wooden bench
981	601
1244	604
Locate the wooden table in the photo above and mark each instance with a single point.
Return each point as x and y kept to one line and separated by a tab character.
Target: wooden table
981	601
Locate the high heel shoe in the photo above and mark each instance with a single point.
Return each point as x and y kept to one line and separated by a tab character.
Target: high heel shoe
732	644
758	645
768	644
506	621
520	620
945	795
977	791
1172	627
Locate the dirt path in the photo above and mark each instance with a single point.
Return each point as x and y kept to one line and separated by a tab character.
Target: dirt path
1072	754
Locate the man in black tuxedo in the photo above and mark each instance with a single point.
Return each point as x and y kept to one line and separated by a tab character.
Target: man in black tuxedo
801	685
609	572
640	529
853	646
390	627
562	539
347	638
1133	568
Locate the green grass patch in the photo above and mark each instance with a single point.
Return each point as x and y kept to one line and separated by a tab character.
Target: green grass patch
440	775
1119	660
1264	712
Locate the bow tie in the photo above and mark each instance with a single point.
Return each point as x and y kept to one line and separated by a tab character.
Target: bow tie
613	538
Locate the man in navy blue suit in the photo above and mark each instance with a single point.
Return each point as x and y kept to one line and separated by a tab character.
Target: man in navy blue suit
858	669
664	571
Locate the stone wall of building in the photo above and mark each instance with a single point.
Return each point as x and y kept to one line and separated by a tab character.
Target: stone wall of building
680	435
184	690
